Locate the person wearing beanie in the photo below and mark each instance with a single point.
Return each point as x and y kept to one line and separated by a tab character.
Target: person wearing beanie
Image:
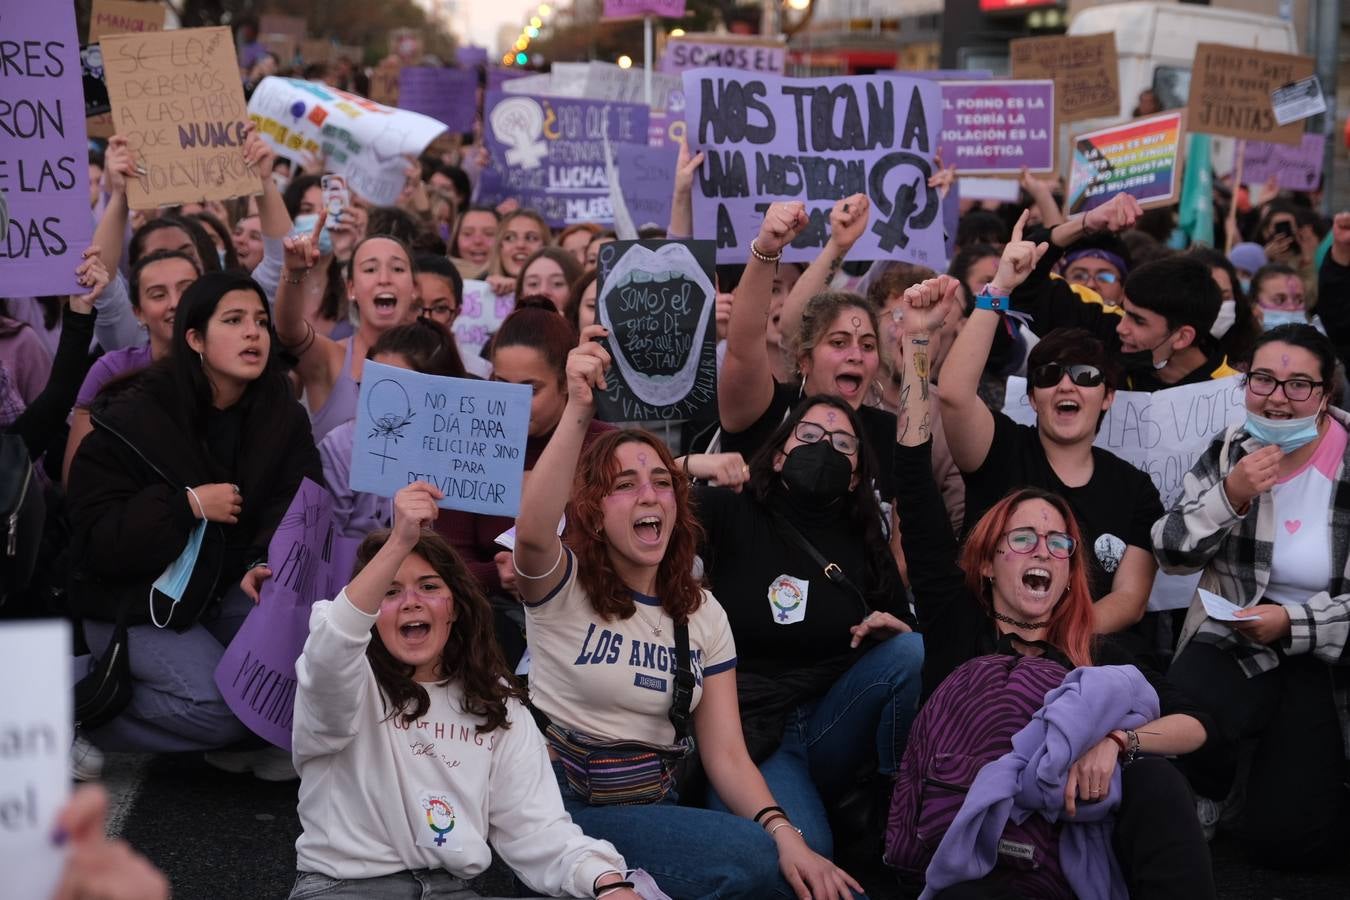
1247	258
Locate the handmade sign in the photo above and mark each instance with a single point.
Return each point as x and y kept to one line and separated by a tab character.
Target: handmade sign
602	81
362	140
446	95
124	17
694	51
384	80
498	76
316	50
310	561
466	437
44	172
1298	101
282	46
95	88
1231	92
817	140
657	299
35	737
468	56
277	23
645	178
998	126
627	9
480	315
177	99
1005	190
1295	168
1083	67
549	153
1141	158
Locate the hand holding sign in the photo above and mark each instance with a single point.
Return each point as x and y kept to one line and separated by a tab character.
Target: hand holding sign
848	221
586	368
90	273
258	157
783	221
414	509
1115	215
119	164
1019	258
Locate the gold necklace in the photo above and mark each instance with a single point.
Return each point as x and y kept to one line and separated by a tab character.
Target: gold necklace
656	629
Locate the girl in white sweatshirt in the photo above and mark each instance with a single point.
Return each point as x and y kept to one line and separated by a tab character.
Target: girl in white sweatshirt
413	747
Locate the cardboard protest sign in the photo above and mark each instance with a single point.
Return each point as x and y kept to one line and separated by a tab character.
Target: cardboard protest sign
646	175
362	140
998	126
316	50
282	46
256	674
480	315
464	436
1231	92
817	140
627	9
277	23
1142	158
176	97
694	51
35	727
1083	67
124	17
446	95
550	153
657	299
1295	168
44	172
384	80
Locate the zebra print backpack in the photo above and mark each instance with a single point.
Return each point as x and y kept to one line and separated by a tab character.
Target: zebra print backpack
967	722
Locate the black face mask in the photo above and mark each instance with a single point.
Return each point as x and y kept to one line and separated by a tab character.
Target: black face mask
1140	362
817	474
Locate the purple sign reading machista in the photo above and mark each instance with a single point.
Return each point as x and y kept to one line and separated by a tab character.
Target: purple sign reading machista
446	95
998	126
44	176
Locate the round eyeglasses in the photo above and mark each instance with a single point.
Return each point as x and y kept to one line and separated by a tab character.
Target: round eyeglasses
1024	540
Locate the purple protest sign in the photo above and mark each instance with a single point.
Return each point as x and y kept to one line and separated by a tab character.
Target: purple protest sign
470	55
549	153
256	675
446	95
695	51
998	126
627	9
953	74
1295	168
817	140
44	176
497	76
646	175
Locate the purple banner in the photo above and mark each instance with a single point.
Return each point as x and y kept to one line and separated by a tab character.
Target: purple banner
817	140
1296	168
627	9
468	55
695	52
646	176
998	126
44	172
497	76
309	561
952	74
446	95
549	153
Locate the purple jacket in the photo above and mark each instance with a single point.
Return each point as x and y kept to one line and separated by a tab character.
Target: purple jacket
357	512
1092	701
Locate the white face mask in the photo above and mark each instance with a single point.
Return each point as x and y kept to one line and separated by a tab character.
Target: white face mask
1227	316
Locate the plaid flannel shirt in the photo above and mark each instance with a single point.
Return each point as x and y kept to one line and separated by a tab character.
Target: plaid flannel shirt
1202	531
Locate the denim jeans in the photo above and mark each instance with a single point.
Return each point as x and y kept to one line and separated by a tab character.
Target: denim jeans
419	884
175	704
865	715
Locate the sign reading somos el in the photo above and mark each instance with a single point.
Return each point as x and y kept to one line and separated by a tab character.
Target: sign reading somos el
817	140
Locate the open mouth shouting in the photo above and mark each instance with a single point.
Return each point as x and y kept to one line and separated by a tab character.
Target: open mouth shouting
386	302
1037	581
1066	408
849	385
414	631
648	530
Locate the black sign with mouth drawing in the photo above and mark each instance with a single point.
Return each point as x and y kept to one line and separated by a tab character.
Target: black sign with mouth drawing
658	299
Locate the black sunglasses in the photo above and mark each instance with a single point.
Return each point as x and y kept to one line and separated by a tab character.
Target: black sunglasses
1081	374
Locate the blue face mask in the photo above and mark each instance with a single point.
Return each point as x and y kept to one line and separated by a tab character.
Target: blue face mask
173	581
1246	286
1287	434
1274	318
304	224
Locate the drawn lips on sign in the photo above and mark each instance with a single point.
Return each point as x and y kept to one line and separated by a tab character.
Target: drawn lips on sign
668	285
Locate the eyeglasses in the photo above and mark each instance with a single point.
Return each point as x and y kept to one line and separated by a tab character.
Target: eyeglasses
1050	374
1024	541
1296	389
811	433
441	312
1083	276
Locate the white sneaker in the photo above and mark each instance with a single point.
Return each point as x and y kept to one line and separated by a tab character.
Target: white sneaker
86	760
268	764
1208	812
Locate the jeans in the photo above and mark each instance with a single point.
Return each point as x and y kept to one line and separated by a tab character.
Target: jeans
175	704
864	716
418	884
1295	809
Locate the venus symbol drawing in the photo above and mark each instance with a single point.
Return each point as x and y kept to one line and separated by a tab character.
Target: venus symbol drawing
390	413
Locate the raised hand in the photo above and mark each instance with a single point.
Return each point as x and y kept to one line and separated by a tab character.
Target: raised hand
92	274
848	221
258	157
1020	257
119	164
414	509
926	305
1115	215
685	167
783	221
302	250
586	368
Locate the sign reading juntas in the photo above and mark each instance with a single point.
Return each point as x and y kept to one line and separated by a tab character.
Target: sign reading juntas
1231	92
124	17
694	51
1141	158
817	140
1083	67
35	717
176	97
447	95
480	315
44	176
1295	168
550	153
465	437
310	560
362	140
657	300
998	126
627	9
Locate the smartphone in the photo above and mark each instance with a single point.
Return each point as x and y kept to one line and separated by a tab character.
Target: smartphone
1283	229
336	197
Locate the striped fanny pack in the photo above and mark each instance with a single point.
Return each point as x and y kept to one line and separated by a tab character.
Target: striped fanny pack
615	773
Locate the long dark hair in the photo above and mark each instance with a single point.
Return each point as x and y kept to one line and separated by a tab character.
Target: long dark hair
862	509
427	346
471	655
207	257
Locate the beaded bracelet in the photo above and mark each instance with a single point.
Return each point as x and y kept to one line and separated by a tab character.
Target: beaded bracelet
300	280
764	257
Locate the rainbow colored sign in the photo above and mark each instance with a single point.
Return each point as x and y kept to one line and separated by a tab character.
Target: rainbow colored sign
1142	158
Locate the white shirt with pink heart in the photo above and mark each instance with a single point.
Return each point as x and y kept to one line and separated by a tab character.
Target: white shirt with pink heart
1302	557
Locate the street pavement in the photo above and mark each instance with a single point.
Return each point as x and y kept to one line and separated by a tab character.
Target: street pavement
231	837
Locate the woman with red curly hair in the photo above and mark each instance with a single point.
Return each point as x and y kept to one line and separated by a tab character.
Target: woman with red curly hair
624	643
